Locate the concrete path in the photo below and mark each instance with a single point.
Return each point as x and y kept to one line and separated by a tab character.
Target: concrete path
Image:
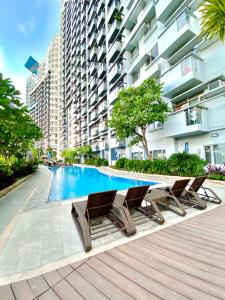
37	236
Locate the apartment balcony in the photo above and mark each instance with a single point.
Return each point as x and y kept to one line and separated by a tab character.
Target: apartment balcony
93	68
77	129
165	8
83	111
94	115
115	72
101	53
92	13
101	19
101	71
101	36
83	73
83	60
93	53
84	124
178	34
113	31
93	99
83	48
183	76
113	9
93	83
114	93
102	88
83	85
102	127
84	137
95	147
115	143
154	68
94	131
102	107
92	40
101	5
83	97
92	26
114	51
192	121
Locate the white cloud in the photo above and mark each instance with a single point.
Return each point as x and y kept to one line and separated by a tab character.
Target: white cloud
20	84
26	28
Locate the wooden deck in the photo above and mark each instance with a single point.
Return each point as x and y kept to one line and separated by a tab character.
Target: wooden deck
184	261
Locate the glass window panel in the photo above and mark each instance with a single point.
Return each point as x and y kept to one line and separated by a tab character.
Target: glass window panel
186	66
219	153
182	21
208	156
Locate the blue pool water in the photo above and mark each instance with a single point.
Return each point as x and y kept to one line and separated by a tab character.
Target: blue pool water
72	182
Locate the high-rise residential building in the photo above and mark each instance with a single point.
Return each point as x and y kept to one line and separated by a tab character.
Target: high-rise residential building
45	101
31	82
112	44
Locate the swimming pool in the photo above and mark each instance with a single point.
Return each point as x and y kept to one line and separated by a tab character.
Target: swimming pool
73	182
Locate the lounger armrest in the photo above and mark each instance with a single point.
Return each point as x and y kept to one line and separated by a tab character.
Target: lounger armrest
77	210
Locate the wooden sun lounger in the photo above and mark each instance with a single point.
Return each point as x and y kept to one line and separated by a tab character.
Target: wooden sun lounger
206	194
100	205
134	199
163	196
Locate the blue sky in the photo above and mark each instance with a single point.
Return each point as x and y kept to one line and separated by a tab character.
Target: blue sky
26	28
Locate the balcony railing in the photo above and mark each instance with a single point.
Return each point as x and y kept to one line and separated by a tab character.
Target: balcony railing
102	88
114	50
102	107
183	76
93	99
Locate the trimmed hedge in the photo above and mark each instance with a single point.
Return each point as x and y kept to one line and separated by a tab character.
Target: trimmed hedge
96	161
178	164
13	169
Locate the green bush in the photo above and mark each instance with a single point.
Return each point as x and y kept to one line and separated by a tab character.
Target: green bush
184	164
179	164
14	168
96	161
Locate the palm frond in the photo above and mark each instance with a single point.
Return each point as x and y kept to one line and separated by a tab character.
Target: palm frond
213	19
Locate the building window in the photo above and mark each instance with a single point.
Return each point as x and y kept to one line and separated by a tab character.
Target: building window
158	154
155	125
154	53
137	155
193	116
215	154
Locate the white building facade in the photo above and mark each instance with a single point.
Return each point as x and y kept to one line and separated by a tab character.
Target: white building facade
45	101
129	41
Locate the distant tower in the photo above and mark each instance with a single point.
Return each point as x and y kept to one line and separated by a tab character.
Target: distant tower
32	81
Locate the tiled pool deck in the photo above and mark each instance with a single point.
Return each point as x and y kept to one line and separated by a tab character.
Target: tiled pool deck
37	236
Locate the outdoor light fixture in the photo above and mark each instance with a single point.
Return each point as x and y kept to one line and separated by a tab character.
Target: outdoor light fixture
214	134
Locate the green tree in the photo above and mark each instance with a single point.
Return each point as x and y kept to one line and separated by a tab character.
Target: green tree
135	109
17	129
213	19
69	155
84	150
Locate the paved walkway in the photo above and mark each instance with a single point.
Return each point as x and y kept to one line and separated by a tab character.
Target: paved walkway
183	261
31	227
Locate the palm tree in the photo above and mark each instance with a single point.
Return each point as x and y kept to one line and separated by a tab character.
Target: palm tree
213	19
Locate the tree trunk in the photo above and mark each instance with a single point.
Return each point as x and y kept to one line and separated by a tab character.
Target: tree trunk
145	143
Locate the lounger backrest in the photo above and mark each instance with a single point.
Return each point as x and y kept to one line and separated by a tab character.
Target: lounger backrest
100	204
179	186
136	195
197	183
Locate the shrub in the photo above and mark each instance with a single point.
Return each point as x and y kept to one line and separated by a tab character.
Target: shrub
184	164
179	164
96	161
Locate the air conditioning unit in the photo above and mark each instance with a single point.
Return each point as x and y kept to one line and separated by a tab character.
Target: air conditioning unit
215	84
